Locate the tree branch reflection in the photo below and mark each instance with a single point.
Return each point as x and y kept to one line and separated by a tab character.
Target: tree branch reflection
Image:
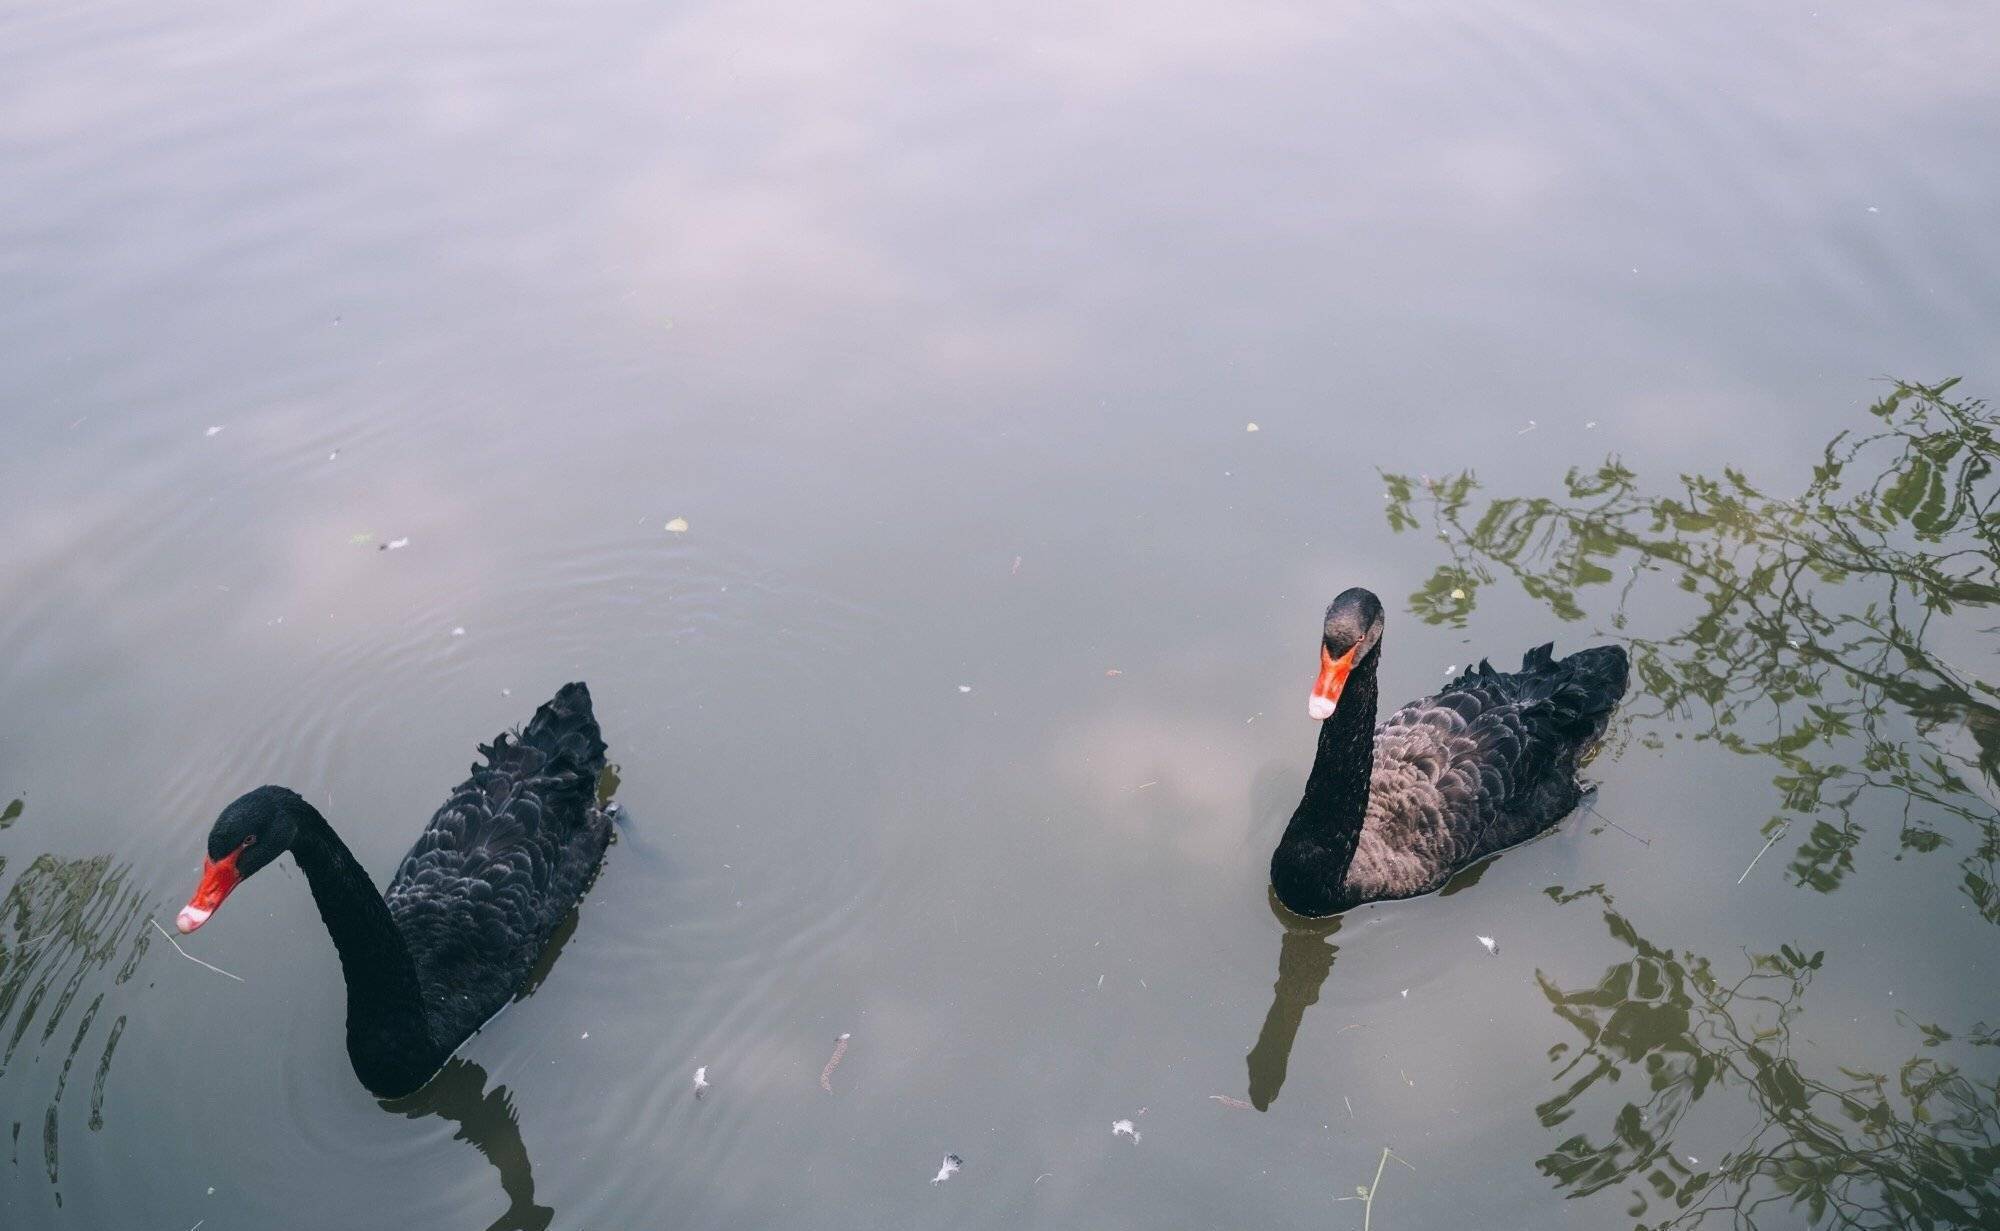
1916	1148
1823	629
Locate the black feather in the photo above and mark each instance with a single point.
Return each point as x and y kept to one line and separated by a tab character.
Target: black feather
502	862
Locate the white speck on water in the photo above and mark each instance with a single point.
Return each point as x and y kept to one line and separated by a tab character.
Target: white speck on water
1406	993
1492	945
965	688
678	525
700	1081
1531	423
1873	209
332	455
1449	670
1100	980
584	1035
1590	425
506	692
215	429
458	632
1693	1161
396	544
1458	594
1125	1128
1251	427
952	1163
211	1190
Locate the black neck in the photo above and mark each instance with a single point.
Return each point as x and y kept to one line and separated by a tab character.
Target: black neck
388	1038
1309	870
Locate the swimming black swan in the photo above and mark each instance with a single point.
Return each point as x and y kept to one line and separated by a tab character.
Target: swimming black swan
428	960
1392	812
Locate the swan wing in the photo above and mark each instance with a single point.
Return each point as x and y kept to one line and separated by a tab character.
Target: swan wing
502	862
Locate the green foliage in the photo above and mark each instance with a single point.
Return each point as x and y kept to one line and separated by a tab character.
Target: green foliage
1802	624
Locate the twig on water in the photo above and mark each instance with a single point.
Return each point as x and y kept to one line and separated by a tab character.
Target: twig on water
190	957
1615	825
1760	854
1368	1202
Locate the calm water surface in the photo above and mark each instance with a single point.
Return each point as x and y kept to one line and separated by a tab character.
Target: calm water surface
966	710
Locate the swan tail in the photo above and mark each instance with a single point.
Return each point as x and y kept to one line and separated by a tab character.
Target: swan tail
564	731
560	742
1588	686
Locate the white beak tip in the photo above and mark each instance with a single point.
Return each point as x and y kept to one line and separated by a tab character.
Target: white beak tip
1320	708
191	918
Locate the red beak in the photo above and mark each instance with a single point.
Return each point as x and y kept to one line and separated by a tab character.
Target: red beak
218	877
1332	678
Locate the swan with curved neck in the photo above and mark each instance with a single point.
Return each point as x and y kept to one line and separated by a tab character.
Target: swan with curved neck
457	932
1491	760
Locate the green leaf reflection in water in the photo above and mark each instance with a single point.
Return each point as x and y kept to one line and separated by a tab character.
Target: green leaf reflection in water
1827	631
1830	1146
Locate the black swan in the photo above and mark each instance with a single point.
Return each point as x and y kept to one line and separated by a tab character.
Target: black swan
431	958
1393	811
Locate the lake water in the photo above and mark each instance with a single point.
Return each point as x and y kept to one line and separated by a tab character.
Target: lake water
964	712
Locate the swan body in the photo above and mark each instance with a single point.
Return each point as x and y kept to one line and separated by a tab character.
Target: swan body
1489	761
469	910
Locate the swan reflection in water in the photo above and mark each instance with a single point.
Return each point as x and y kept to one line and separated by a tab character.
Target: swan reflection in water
1305	958
486	1119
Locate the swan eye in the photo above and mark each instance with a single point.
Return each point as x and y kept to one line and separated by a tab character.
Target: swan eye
251	840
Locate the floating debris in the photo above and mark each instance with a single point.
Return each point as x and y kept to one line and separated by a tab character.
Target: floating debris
189	956
1458	594
1016	570
1112	673
458	632
826	1074
1251	427
1406	993
215	429
700	1081
1492	945
396	544
1124	1128
584	1035
678	525
1588	426
952	1163
1234	1104
965	688
331	456
1531	423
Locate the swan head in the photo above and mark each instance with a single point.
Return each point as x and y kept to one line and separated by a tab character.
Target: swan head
1352	630
250	833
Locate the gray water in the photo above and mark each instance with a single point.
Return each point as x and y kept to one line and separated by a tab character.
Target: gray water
964	713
